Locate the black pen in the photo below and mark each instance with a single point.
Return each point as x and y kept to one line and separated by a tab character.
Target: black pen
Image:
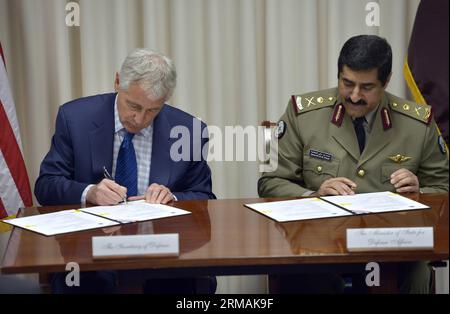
109	177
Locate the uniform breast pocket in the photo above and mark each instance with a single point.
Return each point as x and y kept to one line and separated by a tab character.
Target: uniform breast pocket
315	171
389	168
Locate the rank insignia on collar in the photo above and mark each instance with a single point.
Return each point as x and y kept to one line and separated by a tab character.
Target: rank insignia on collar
386	119
338	115
280	129
399	158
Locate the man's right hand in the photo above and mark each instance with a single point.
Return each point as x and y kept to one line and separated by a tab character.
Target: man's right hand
336	186
107	192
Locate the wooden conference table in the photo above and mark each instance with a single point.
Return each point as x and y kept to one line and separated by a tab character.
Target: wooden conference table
222	237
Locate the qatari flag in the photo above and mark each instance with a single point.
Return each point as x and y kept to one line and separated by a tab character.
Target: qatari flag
426	67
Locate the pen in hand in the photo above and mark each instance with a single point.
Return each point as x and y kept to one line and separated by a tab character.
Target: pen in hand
109	177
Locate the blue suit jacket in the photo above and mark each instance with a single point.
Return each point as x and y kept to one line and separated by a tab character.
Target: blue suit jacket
83	144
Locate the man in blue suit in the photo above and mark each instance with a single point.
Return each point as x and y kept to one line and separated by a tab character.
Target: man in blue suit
89	132
129	134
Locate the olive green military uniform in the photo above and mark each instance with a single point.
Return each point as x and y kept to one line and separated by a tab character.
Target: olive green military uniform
317	141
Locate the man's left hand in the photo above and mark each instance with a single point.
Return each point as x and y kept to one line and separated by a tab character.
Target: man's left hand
156	194
405	181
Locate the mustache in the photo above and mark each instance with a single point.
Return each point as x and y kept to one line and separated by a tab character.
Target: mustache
359	102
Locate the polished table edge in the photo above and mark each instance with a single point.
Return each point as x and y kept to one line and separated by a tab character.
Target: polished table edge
245	267
235	265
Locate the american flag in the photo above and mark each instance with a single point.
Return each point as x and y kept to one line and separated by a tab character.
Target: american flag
15	189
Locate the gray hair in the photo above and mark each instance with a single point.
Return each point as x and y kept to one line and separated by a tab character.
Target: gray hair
154	72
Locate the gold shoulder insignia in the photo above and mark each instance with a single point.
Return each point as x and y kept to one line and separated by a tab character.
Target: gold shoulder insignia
315	100
411	109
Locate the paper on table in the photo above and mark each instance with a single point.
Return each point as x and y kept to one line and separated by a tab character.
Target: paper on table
135	211
377	202
61	222
301	209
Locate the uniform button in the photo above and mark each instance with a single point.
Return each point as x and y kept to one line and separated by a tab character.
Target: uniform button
319	168
361	173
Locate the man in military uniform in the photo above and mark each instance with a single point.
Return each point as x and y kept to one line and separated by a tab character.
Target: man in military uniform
358	138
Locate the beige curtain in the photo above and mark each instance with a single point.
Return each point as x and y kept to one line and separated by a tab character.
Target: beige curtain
238	62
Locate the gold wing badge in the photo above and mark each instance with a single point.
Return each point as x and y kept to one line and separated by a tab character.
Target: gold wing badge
399	158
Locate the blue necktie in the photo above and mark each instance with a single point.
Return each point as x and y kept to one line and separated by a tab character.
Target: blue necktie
126	168
360	133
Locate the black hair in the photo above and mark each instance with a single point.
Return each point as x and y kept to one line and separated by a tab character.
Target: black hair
366	52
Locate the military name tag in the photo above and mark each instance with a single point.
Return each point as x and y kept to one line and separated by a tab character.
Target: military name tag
320	155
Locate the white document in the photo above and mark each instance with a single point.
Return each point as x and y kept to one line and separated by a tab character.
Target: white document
135	211
136	245
376	239
378	202
301	209
61	222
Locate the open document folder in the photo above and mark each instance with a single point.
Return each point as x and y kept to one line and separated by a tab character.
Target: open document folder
335	206
94	217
